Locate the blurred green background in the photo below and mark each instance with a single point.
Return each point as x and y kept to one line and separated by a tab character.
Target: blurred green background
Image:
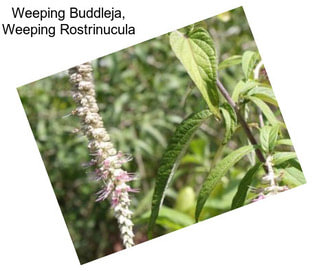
143	93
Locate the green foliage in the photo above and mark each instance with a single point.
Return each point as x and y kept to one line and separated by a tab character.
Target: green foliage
284	142
281	157
249	60
172	156
229	62
230	121
268	137
265	110
264	93
195	49
293	177
185	200
216	174
240	196
170	218
241	88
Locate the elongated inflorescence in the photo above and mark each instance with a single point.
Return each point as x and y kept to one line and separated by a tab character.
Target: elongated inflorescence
271	180
106	159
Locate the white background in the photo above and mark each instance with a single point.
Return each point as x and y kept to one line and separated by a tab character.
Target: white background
280	233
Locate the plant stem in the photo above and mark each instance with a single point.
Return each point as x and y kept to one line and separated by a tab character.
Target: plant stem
243	123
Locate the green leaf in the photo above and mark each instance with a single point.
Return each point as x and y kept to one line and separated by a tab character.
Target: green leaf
216	174
268	137
249	60
171	158
230	121
230	61
281	157
265	110
195	50
294	163
241	194
241	88
293	177
168	218
181	219
197	146
265	94
285	141
185	199
192	159
264	138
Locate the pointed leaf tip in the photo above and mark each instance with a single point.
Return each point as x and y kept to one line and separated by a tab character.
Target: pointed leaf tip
171	158
195	49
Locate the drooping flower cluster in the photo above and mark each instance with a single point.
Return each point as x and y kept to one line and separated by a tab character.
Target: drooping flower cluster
271	180
107	160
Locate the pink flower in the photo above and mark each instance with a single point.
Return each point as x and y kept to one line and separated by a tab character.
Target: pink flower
109	160
133	190
115	199
106	162
89	164
101	174
104	193
124	176
124	158
260	197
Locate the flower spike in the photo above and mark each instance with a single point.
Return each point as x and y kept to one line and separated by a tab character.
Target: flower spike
105	158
